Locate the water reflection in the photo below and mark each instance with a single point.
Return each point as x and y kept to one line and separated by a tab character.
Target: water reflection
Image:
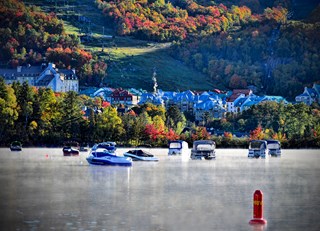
43	190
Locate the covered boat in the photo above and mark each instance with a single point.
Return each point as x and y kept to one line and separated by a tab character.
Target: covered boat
100	155
178	147
203	149
71	149
16	146
257	149
274	147
140	155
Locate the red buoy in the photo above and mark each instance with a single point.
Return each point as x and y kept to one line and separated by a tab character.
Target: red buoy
258	209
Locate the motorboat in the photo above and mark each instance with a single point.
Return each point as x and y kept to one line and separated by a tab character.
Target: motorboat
100	155
84	148
258	149
140	155
274	148
16	146
71	149
178	147
203	149
110	146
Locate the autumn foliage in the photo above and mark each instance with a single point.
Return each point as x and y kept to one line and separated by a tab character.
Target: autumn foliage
161	21
28	35
257	134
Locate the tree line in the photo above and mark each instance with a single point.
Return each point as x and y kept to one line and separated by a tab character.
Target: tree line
41	117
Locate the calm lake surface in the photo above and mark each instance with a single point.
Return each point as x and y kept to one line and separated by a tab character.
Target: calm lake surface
43	190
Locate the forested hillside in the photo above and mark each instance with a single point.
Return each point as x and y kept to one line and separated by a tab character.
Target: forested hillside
231	45
266	45
30	36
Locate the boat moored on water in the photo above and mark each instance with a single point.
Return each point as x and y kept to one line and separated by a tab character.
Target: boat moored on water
203	149
140	155
16	146
71	149
258	149
104	154
274	148
178	147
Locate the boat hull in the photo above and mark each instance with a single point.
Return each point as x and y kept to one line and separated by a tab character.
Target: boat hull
108	160
70	152
140	158
199	155
17	149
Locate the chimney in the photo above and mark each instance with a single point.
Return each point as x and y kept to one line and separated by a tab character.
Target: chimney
19	69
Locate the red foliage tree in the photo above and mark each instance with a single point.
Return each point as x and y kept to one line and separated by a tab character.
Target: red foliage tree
257	134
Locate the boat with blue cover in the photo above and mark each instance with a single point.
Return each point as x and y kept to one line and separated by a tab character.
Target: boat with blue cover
140	155
103	154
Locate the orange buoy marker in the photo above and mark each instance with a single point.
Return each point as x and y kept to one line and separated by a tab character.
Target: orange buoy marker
258	209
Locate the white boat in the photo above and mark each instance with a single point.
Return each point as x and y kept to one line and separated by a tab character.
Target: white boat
178	147
203	149
258	149
140	155
100	155
274	148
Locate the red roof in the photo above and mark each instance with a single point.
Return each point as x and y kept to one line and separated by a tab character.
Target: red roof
237	92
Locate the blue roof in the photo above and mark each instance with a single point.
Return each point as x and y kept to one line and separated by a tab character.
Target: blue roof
277	99
239	102
303	94
208	105
312	92
316	87
150	98
250	103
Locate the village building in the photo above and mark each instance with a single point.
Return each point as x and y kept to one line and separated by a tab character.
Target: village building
309	95
235	100
124	97
47	76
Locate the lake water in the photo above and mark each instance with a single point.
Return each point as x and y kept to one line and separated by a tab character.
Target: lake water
43	190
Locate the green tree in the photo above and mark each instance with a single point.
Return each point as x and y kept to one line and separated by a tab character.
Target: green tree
109	125
71	116
8	110
25	98
175	119
45	111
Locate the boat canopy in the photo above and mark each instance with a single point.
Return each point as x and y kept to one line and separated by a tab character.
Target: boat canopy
273	144
258	144
110	146
139	152
16	143
204	145
175	144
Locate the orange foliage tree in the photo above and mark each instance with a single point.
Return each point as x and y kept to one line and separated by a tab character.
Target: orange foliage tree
257	134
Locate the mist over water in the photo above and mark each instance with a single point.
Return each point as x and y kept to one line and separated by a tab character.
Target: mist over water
42	190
